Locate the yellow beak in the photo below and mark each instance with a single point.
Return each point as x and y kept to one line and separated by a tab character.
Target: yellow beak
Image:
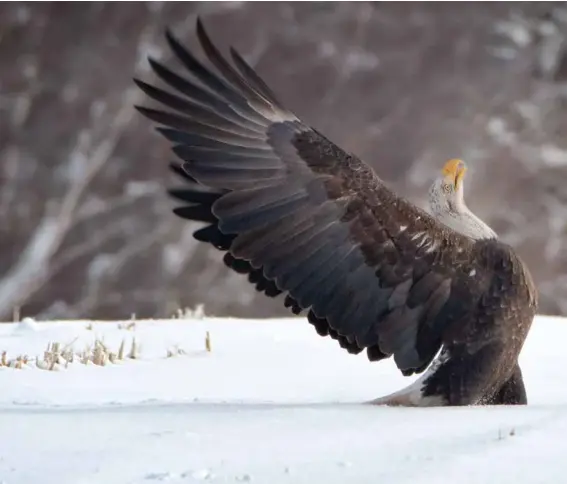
453	171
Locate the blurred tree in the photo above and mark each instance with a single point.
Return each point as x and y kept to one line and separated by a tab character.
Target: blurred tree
85	225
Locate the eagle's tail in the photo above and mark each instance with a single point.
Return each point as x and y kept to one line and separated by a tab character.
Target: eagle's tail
413	395
457	381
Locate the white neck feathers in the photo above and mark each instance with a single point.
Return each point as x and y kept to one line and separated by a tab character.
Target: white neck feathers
466	223
451	210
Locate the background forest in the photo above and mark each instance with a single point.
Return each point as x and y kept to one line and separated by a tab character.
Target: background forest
86	228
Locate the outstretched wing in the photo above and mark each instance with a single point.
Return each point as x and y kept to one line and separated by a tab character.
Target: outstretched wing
302	217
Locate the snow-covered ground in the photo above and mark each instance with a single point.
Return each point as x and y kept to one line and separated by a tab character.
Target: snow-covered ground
271	403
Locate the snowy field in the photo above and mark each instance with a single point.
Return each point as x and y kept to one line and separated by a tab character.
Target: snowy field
271	402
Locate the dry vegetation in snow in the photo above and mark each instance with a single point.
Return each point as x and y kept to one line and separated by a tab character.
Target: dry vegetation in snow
59	356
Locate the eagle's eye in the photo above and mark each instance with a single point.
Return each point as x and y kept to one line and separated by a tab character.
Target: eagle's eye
447	188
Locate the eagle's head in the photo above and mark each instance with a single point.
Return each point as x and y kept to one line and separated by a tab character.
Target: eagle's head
446	192
447	203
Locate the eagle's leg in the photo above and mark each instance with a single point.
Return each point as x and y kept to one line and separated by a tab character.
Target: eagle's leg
513	392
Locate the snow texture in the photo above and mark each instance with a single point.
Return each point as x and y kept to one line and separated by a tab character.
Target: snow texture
271	403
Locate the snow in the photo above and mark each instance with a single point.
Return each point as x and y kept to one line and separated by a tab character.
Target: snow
272	403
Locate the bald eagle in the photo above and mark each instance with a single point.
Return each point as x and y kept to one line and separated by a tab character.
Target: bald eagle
302	217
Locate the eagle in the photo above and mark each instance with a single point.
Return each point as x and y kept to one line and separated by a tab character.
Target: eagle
307	220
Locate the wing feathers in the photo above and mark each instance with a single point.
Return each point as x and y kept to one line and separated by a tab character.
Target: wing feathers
253	79
318	255
226	69
229	142
194	196
249	159
204	114
196	213
204	75
190	89
210	130
209	234
302	217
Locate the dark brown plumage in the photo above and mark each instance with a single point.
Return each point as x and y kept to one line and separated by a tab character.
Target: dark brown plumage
301	217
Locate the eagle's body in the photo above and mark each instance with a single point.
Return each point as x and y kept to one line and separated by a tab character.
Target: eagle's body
302	217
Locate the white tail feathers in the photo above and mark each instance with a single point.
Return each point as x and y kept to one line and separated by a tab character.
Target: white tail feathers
412	395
